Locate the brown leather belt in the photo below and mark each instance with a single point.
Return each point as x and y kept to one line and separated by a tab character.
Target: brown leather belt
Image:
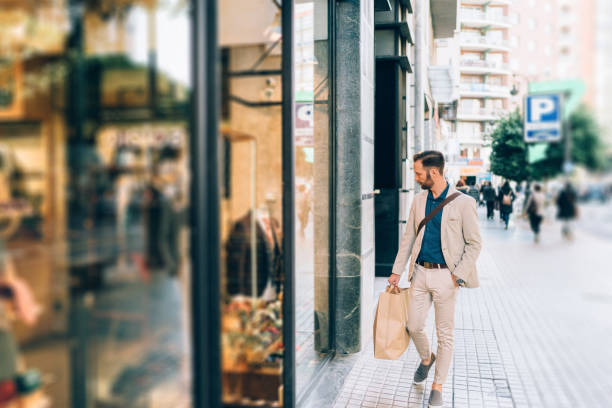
431	265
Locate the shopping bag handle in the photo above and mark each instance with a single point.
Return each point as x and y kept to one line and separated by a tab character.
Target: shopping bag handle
393	289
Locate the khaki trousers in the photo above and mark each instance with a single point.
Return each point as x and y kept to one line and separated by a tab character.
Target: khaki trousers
433	285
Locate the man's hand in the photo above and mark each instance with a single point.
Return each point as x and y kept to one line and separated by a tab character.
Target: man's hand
394	279
454	278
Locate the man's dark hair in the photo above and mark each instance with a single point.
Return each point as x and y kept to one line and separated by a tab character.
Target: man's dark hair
537	187
431	158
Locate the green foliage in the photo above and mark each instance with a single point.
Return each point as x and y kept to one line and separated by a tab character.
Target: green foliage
509	150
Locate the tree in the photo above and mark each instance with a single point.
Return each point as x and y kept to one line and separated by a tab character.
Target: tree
509	150
509	156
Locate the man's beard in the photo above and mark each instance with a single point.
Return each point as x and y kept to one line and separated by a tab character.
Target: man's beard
428	183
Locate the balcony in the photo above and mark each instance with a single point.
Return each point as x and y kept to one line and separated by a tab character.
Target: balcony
476	139
481	19
483	43
481	114
479	90
470	66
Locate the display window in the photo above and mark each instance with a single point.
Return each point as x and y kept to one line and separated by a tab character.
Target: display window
252	271
254	277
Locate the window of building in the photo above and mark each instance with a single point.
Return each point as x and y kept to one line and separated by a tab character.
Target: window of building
531	45
532	23
531	69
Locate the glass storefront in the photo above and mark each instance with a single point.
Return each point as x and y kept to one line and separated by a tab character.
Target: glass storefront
94	192
312	169
251	138
251	207
102	170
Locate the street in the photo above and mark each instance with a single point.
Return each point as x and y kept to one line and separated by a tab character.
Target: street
535	334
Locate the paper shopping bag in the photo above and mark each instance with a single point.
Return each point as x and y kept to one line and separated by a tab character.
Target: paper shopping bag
390	335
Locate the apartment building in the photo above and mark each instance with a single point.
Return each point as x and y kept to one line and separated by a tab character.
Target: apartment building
553	40
485	81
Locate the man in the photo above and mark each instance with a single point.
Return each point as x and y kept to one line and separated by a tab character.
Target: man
567	211
443	258
488	195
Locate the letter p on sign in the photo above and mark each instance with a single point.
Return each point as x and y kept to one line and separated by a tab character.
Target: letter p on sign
541	107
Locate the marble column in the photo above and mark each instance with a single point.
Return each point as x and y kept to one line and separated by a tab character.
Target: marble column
354	128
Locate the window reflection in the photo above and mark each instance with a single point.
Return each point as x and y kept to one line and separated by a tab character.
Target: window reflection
94	195
312	189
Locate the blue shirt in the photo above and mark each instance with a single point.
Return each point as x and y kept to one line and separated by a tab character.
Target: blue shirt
431	249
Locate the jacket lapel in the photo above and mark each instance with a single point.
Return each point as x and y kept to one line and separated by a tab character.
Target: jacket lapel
422	206
451	191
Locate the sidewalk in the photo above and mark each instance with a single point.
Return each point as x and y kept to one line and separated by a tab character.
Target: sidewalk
534	335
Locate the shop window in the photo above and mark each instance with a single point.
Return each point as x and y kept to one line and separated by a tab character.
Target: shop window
312	113
252	273
94	191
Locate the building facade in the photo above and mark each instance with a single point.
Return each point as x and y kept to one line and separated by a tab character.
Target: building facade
190	191
485	81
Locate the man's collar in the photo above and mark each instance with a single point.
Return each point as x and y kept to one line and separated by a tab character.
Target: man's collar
441	196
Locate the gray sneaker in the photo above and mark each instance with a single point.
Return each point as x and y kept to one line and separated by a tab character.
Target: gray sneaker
421	373
435	399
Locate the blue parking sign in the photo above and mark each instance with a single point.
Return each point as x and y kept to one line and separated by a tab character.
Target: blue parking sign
543	118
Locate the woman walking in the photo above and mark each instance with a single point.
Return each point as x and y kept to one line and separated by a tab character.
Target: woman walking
506	198
535	210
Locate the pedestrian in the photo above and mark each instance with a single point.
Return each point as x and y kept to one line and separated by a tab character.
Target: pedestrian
534	209
461	186
506	199
481	201
528	190
489	196
567	210
443	246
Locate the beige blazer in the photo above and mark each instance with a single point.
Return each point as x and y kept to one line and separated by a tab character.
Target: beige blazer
460	237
